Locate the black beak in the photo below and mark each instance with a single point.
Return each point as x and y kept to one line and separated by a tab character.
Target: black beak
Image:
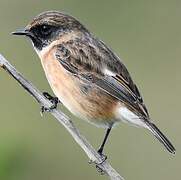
24	32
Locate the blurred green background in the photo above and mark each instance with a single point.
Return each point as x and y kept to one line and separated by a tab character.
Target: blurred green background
147	36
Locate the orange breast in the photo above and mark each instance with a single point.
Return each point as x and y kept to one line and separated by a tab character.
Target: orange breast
87	102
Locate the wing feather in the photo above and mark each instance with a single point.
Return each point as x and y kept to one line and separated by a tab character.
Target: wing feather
87	63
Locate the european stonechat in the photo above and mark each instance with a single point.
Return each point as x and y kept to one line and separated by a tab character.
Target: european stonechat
86	76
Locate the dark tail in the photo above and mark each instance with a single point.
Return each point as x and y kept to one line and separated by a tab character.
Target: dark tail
161	137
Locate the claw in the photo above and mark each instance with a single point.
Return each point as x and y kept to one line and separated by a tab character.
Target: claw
54	101
44	109
100	170
98	165
103	157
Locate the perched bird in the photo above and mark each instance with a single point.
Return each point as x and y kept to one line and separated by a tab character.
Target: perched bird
87	77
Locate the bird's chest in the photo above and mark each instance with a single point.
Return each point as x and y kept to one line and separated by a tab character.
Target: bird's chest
62	83
83	100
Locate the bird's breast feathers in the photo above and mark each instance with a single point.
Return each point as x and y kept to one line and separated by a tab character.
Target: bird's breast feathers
83	100
105	100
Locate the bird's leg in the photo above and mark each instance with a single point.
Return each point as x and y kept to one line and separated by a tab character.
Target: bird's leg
100	151
54	101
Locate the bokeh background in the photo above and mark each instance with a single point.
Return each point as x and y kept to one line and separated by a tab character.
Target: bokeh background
147	36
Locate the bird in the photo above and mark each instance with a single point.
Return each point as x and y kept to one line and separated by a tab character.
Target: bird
86	76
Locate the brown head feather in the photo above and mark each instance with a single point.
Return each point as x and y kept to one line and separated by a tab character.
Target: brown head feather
56	18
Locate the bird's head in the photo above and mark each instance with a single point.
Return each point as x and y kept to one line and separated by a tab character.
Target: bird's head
50	26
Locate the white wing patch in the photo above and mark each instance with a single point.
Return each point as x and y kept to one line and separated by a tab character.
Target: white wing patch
108	72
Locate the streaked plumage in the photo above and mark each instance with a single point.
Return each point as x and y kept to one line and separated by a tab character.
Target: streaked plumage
87	77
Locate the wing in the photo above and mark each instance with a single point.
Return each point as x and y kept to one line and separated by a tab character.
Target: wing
92	61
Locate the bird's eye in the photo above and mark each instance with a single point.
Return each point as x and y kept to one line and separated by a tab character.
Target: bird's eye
45	30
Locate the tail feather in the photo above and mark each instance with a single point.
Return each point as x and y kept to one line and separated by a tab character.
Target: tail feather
161	137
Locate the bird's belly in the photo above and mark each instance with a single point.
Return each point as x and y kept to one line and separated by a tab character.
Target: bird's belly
83	100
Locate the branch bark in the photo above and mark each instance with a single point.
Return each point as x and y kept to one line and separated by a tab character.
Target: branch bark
63	119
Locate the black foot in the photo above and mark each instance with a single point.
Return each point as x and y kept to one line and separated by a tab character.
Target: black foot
54	101
104	157
100	170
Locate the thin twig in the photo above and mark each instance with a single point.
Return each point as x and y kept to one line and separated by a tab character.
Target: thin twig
63	119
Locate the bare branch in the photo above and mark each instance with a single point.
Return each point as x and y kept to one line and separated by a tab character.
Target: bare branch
62	118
